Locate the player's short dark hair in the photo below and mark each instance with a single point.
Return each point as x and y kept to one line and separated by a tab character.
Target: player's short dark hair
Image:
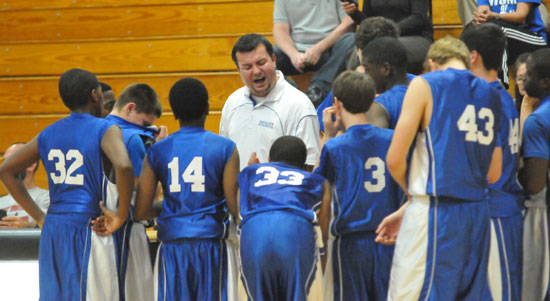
387	50
75	87
540	61
105	87
489	41
355	90
374	27
290	150
143	96
248	43
189	99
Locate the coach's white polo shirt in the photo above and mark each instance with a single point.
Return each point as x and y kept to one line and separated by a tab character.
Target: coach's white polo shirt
254	123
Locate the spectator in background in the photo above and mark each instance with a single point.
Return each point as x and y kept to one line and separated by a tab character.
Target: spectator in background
466	9
520	67
16	216
109	99
412	18
312	36
267	107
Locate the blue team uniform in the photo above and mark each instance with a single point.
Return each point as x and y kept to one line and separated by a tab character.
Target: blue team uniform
443	244
71	151
506	202
192	259
278	244
536	144
132	234
392	101
327	102
363	194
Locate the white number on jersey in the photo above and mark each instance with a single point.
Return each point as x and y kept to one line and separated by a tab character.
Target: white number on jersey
378	174
271	176
192	174
66	175
467	123
513	139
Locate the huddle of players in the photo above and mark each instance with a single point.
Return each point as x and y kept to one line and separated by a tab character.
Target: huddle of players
462	133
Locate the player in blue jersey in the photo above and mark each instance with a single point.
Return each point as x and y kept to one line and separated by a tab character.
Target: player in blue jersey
363	192
486	43
534	175
136	109
75	262
198	173
385	60
278	204
451	119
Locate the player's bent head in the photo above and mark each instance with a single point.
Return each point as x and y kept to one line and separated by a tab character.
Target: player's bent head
387	50
355	90
537	77
76	88
189	99
109	98
448	48
488	40
144	96
290	150
248	43
375	27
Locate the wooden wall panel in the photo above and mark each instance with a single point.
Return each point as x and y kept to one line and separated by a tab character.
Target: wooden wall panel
40	95
130	22
171	55
57	4
441	32
445	12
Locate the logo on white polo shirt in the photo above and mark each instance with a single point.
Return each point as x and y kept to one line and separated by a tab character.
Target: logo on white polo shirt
266	124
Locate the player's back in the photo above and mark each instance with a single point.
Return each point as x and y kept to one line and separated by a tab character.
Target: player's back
279	186
363	191
190	164
451	157
71	152
506	195
392	101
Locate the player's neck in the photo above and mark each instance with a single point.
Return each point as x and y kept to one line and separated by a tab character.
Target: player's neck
488	75
395	81
193	123
453	63
350	119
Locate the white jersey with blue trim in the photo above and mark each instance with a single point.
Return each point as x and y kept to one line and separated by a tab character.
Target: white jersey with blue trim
190	163
451	157
279	186
363	190
71	151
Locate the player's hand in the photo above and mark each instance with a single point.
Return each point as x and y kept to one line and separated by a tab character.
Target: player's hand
332	122
163	133
298	61
98	224
253	159
111	221
15	222
312	56
389	228
349	7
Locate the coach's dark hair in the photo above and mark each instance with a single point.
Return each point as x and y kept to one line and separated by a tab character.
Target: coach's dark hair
540	60
75	87
387	50
489	41
143	96
105	87
375	27
248	43
189	99
290	150
355	90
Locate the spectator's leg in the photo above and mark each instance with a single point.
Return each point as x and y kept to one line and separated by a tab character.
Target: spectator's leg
466	9
417	48
329	68
283	62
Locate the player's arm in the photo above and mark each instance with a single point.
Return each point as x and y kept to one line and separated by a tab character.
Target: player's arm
416	99
495	169
324	212
378	116
231	184
387	231
9	170
112	144
533	175
146	193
